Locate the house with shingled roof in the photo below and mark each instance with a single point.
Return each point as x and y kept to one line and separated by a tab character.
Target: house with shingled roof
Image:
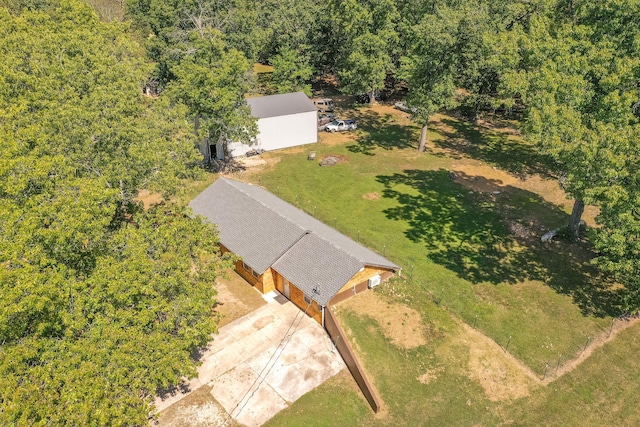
283	248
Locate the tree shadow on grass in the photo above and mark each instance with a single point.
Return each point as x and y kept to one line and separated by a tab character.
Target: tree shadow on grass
485	237
381	131
494	143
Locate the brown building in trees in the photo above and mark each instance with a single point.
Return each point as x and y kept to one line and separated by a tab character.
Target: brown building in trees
282	248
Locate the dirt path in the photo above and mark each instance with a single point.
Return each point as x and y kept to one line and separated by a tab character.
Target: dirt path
597	342
501	375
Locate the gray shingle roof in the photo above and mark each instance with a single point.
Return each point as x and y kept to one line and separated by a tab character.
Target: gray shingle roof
280	105
313	263
267	231
260	236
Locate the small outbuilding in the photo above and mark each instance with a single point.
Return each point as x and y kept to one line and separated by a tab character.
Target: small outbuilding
283	248
284	120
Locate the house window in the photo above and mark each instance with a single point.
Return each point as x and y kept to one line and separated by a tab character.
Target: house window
307	299
245	266
255	274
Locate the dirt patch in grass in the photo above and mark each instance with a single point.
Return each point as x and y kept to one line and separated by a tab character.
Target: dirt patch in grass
236	298
372	196
149	199
394	115
501	375
430	375
482	178
401	325
252	162
199	409
332	159
336	138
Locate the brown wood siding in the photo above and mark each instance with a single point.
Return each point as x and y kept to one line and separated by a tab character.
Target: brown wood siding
315	312
349	291
268	281
297	297
363	276
246	275
277	279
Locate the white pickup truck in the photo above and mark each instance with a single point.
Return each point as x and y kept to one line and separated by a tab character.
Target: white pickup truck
340	125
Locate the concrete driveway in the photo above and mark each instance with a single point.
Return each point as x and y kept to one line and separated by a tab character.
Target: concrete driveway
262	362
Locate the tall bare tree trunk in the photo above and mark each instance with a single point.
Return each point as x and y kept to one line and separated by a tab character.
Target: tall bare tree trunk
574	219
423	139
372	97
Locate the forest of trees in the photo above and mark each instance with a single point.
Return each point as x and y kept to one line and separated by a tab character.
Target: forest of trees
103	302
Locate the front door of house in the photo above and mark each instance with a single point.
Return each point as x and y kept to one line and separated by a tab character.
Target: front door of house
285	287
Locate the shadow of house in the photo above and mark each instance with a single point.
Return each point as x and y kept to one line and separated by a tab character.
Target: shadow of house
486	237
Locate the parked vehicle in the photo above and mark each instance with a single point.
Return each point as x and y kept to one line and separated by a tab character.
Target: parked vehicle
323	119
324	105
341	125
364	98
402	106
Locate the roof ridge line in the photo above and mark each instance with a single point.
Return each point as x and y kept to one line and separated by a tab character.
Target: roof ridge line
290	247
298	226
267	206
289	220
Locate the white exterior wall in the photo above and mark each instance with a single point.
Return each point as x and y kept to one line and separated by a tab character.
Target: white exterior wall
281	132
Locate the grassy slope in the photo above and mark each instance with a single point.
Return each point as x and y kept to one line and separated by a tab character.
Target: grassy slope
455	247
600	392
451	243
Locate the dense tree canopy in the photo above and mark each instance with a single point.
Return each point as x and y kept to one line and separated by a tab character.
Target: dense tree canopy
364	40
101	303
291	71
578	71
211	81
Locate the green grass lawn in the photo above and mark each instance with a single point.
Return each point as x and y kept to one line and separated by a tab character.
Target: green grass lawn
601	391
454	245
541	302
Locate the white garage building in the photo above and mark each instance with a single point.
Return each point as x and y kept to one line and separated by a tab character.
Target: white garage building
284	120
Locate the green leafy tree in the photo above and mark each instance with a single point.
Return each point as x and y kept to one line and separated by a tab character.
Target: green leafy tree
574	87
365	69
290	24
211	81
577	70
430	69
101	303
292	72
365	43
